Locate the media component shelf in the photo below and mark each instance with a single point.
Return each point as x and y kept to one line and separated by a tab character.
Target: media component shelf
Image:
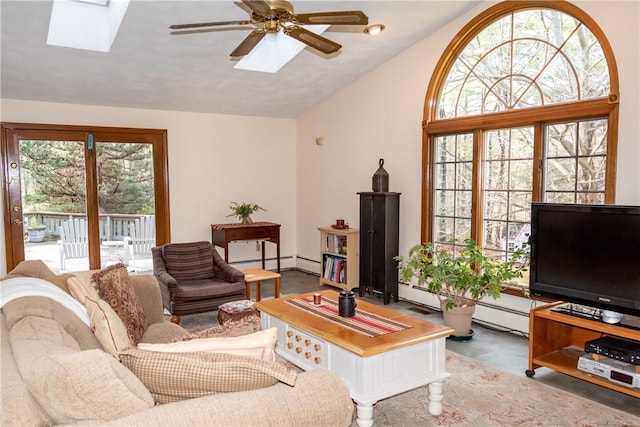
340	250
557	341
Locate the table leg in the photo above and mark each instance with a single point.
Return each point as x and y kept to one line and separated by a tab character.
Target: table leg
263	254
365	415
435	398
277	290
248	285
258	290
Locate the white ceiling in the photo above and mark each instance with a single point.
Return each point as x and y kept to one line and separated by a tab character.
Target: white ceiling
149	68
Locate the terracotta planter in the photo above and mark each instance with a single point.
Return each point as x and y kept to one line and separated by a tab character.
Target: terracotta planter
458	318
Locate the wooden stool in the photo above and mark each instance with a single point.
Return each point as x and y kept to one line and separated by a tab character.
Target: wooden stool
236	310
257	275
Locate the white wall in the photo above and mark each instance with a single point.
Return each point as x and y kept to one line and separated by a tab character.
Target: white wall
213	160
380	115
304	185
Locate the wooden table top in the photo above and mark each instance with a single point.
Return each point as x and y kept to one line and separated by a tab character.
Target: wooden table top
257	274
240	225
347	338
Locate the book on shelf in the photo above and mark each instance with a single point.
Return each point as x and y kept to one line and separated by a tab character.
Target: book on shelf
334	269
336	243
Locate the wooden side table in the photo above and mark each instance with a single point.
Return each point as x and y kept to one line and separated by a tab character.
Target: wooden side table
257	275
223	234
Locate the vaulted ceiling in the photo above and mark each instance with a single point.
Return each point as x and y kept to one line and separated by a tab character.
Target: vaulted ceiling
149	68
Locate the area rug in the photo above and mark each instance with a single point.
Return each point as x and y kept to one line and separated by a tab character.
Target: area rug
480	395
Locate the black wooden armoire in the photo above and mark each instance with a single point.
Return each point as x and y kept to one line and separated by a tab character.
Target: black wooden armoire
379	229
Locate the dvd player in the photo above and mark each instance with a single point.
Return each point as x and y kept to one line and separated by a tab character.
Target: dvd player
615	348
615	371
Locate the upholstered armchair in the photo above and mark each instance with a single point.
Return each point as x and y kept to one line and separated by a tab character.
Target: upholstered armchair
194	278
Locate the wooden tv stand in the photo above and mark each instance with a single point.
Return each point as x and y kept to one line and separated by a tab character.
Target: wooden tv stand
556	341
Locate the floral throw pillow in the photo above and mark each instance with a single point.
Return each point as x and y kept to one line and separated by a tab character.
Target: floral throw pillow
114	286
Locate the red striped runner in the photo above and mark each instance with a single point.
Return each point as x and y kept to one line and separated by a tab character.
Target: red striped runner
363	322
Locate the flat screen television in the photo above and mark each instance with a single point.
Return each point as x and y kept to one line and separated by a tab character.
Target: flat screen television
587	254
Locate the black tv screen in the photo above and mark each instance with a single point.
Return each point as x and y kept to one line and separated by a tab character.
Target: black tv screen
587	254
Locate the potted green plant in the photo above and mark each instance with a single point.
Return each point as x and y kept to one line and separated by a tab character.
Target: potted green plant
460	280
243	211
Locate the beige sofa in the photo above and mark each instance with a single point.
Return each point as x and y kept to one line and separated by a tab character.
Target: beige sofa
54	371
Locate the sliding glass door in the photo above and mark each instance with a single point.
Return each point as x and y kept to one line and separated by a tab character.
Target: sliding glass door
84	199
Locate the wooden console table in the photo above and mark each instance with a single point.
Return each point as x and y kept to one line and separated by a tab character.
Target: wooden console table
222	234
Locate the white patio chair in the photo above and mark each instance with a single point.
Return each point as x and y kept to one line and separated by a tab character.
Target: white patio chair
142	237
74	240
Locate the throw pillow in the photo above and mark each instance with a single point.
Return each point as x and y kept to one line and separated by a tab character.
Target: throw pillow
73	385
115	288
259	345
81	287
107	326
172	377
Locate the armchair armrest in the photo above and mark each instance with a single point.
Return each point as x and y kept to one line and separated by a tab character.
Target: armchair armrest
227	272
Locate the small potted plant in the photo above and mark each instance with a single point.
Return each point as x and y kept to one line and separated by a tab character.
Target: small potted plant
243	211
461	280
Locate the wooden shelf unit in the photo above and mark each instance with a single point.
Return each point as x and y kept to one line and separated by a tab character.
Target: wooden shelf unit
556	341
328	250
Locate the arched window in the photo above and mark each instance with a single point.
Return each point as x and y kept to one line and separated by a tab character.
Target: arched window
522	107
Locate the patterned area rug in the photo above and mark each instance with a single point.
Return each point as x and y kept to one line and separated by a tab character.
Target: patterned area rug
480	395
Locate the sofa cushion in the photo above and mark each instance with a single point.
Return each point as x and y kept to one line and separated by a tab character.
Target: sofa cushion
107	326
259	345
17	405
189	261
39	306
69	384
176	376
115	287
163	332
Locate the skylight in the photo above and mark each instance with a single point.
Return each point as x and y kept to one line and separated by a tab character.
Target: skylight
86	24
275	50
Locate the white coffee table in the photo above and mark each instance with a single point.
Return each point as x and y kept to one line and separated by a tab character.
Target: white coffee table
373	368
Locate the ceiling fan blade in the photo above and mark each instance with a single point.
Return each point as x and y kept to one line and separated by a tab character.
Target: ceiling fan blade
320	43
249	43
260	7
208	24
351	17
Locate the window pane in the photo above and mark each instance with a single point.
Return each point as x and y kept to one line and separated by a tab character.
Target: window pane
445	203
54	203
443	229
576	159
506	210
453	176
531	57
126	203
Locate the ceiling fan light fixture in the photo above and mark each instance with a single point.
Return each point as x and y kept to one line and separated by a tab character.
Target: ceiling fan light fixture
374	30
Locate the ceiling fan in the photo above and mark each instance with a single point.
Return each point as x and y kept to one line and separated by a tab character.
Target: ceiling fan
270	16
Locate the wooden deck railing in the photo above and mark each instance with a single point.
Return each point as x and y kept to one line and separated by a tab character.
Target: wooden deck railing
112	226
